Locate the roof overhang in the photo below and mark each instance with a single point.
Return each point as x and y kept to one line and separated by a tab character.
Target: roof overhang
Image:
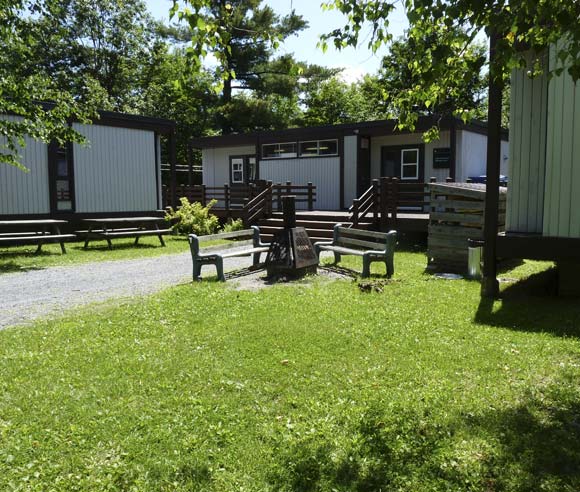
365	128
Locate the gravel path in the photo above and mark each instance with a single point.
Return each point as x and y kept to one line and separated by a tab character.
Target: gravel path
34	294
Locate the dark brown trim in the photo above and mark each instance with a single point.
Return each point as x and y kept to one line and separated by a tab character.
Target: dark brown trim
52	149
157	169
369	128
124	120
341	165
537	247
172	152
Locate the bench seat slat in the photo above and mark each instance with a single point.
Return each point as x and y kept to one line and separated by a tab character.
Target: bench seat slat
361	232
41	238
342	250
347	241
148	232
245	252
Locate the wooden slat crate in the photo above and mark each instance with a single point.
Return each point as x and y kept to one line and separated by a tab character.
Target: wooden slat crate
456	215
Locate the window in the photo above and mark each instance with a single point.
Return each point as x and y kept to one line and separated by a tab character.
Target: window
410	164
237	170
279	150
318	148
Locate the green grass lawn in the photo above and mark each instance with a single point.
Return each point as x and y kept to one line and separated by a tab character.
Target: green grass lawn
298	388
22	258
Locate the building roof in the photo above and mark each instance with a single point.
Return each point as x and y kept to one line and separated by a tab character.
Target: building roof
366	128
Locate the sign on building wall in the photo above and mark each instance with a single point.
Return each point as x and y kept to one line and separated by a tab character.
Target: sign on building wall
442	158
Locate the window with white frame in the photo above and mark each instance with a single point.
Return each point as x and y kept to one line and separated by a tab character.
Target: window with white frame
410	164
237	170
279	150
315	148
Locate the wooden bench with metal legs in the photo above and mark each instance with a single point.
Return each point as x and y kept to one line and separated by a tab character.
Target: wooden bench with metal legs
200	259
372	246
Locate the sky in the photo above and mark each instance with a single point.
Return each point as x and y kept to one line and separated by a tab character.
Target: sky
355	62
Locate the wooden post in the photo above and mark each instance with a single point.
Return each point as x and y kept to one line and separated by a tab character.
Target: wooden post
384	204
189	166
355	205
469	180
269	198
394	201
310	196
227	199
172	166
279	196
432	179
376	201
203	195
449	180
489	283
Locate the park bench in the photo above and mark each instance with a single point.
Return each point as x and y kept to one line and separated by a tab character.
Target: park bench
35	232
217	259
371	245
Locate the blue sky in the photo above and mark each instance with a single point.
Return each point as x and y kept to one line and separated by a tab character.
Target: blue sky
355	62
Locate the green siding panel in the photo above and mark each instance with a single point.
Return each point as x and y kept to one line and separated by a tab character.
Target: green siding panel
525	205
562	196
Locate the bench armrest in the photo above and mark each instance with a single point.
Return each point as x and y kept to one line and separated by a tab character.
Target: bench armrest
256	238
194	245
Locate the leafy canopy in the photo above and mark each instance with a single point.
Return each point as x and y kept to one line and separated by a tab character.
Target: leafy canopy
441	32
22	88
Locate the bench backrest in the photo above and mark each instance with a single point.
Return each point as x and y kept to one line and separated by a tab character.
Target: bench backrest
253	233
363	239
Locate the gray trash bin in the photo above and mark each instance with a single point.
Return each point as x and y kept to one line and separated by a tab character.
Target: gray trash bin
474	253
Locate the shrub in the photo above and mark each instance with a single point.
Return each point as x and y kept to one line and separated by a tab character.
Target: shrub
233	225
193	218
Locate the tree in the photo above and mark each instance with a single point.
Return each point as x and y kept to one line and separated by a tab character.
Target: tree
442	31
22	88
243	35
106	42
335	101
403	87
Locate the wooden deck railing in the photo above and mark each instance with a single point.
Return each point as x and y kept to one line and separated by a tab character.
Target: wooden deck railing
258	207
238	197
386	197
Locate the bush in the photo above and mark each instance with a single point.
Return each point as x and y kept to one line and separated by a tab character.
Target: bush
193	218
233	225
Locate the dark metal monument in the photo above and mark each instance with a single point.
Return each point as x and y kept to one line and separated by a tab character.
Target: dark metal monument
291	252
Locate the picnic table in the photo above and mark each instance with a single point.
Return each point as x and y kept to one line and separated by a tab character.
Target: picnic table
107	228
39	232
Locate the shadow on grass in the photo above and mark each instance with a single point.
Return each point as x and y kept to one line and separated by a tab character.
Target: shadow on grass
532	446
532	305
102	247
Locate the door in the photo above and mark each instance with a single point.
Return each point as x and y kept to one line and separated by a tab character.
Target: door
363	175
61	178
406	162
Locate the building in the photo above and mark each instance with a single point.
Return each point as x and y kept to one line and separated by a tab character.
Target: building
341	160
117	173
543	202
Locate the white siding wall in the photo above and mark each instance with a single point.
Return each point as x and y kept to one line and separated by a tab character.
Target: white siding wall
409	139
216	163
472	155
26	192
323	172
350	162
562	185
116	171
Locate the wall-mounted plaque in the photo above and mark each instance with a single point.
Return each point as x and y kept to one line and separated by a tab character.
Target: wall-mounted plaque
441	158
